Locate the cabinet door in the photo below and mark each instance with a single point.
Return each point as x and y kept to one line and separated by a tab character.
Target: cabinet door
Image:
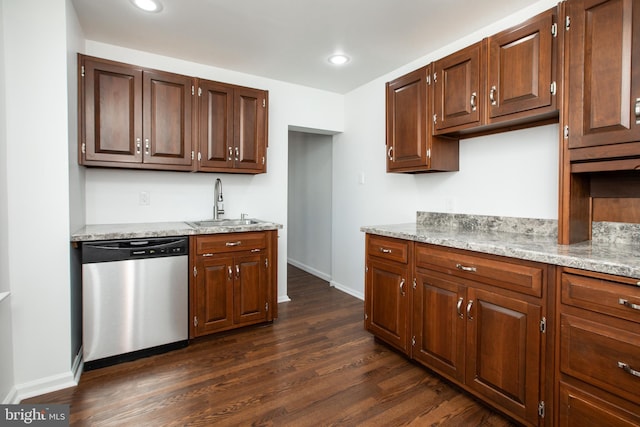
407	117
167	118
250	292
112	113
439	323
387	302
459	90
603	44
215	127
249	129
520	67
503	351
214	294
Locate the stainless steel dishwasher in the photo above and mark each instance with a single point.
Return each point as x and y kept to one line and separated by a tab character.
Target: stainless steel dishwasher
134	298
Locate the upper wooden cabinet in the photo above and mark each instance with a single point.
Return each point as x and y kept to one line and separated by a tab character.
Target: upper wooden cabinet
409	143
459	89
521	69
603	81
232	128
132	117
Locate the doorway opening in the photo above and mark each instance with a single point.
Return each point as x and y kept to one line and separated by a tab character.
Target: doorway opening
309	239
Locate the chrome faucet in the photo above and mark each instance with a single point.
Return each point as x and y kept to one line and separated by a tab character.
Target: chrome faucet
218	205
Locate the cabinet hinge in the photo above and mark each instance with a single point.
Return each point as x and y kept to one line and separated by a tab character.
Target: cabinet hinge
543	325
263	160
195	271
413	340
435	118
264	103
82	71
554	29
541	409
428	153
199	91
366	316
428	79
193	90
266	306
266	262
195	321
554	88
566	132
435	77
199	156
415	285
567	23
366	268
83	148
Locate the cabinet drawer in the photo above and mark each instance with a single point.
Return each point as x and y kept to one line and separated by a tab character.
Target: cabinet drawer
602	296
387	248
604	356
230	242
515	276
578	408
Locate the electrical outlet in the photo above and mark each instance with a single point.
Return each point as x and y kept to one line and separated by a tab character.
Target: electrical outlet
144	199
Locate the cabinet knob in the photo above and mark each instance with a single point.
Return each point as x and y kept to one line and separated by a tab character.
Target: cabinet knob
138	146
146	146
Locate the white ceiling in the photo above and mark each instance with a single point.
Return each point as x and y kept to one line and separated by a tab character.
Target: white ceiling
290	40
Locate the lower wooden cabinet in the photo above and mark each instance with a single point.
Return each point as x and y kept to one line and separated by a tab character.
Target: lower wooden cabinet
478	320
599	349
233	281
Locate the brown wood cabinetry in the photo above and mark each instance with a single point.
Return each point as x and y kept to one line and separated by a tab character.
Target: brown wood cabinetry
459	81
599	349
521	70
389	268
233	281
134	118
472	325
603	83
232	128
411	147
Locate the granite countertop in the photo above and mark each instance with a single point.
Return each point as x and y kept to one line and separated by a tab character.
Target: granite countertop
162	229
533	240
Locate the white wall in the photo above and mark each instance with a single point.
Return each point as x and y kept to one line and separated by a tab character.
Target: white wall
112	196
6	335
309	205
510	174
37	122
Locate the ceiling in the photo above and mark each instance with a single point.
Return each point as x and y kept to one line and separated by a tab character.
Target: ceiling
290	40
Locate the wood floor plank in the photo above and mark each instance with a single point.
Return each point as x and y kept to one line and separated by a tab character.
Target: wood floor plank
314	366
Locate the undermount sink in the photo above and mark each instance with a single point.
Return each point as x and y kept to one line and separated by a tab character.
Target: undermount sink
226	222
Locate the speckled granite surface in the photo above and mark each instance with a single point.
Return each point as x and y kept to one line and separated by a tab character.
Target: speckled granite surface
518	238
160	229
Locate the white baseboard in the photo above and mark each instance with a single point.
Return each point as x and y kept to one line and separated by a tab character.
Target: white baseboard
78	365
283	298
347	290
11	398
46	385
310	270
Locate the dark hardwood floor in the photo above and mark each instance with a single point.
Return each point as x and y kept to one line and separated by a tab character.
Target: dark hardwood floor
314	366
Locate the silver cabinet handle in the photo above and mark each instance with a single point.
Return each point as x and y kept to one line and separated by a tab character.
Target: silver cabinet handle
465	268
231	244
472	101
237	271
469	305
626	303
492	95
230	153
237	154
637	110
402	287
389	153
459	307
146	146
138	146
385	250
625	367
230	273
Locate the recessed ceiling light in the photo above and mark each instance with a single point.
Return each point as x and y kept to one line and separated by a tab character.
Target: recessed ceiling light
338	59
148	5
